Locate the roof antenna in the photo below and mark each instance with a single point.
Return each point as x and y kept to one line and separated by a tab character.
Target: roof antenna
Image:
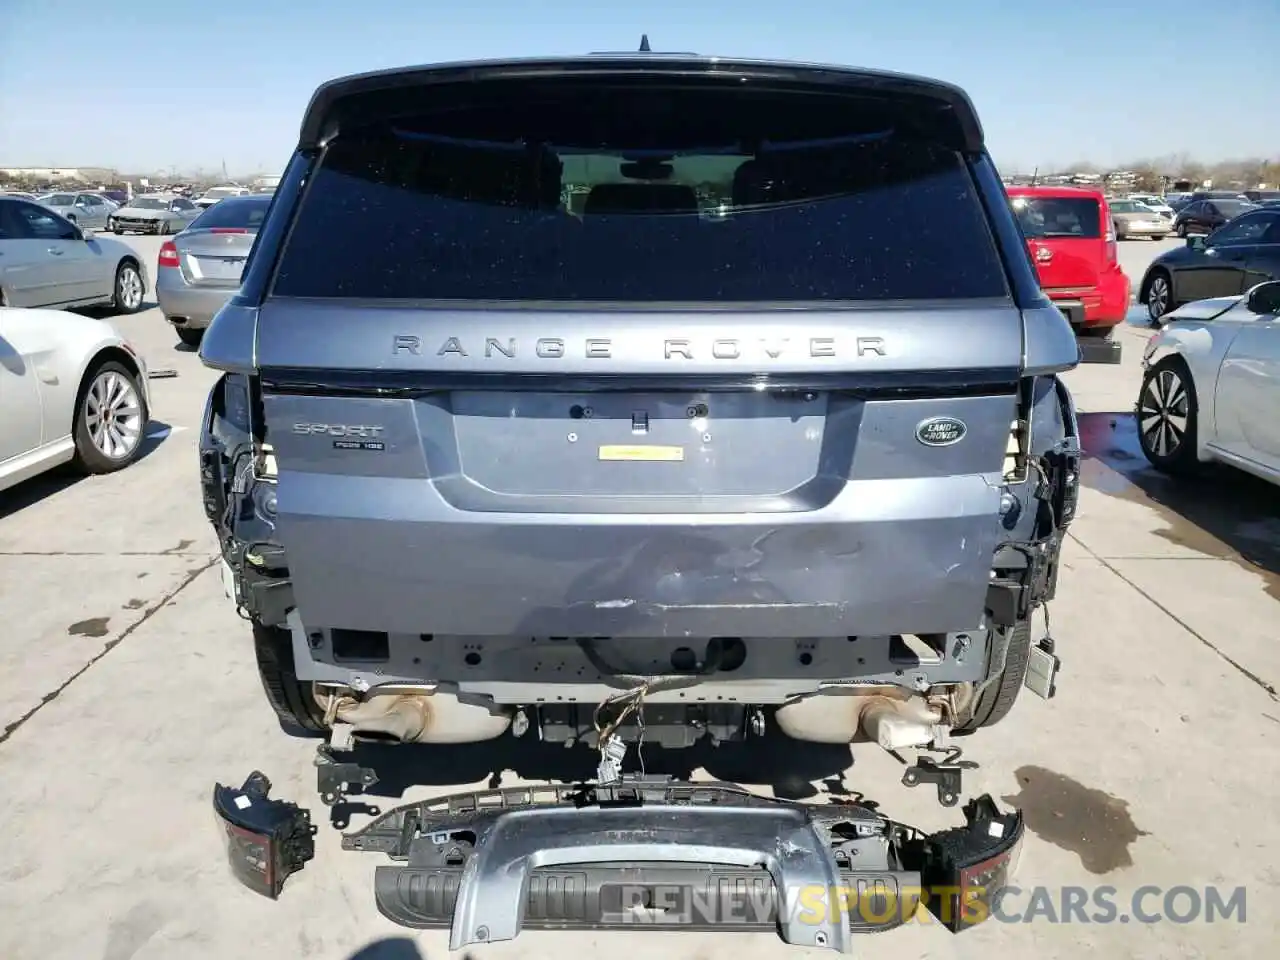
644	43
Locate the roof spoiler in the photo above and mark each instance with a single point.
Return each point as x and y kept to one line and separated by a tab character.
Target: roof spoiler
362	97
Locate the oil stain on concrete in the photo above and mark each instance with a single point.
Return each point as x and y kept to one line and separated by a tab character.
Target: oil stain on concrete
93	627
1089	823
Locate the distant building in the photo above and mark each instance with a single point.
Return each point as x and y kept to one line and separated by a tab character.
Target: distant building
58	174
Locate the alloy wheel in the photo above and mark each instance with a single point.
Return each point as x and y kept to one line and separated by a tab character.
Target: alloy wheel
130	288
1158	298
113	415
1163	413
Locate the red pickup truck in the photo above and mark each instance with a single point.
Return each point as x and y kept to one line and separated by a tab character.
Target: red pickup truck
1073	245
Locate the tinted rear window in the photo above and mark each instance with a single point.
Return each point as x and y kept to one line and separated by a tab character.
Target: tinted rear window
1058	217
244	212
408	214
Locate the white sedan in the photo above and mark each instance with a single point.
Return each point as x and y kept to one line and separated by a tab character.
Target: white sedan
71	389
1211	387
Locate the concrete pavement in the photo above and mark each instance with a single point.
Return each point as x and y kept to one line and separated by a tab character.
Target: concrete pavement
129	687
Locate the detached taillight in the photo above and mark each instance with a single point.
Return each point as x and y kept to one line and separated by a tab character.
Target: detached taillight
168	255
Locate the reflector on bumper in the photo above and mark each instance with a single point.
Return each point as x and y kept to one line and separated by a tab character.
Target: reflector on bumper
266	840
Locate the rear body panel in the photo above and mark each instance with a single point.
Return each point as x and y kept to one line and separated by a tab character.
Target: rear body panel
210	264
493	416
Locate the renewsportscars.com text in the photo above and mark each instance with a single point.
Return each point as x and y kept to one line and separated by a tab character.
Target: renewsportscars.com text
675	904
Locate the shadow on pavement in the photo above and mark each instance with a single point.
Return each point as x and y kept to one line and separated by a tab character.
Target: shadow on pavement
391	948
63	477
1221	512
774	760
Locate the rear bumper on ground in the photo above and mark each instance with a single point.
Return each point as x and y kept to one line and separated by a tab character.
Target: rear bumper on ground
184	305
643	852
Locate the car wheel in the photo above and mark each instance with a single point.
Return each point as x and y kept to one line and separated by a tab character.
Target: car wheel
291	699
1167	412
117	231
1181	230
1159	296
189	336
111	419
128	292
163	229
1012	645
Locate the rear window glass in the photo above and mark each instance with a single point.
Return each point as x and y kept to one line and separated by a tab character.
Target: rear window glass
1049	217
243	212
407	214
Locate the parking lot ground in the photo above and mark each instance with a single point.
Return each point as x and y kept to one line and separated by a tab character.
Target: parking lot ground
129	688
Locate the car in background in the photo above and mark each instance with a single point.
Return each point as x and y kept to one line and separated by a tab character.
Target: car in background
1202	217
199	269
1156	203
86	209
111	204
1072	241
214	194
1217	195
73	389
1132	219
118	197
47	261
1230	260
1262	196
18	195
1211	386
159	213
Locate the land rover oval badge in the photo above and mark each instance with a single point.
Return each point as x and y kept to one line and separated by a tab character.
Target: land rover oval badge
940	431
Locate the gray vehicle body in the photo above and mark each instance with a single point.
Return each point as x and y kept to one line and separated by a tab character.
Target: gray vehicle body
489	510
153	213
47	261
211	257
84	209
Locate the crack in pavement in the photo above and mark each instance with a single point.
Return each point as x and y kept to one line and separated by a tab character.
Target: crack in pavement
48	698
1244	671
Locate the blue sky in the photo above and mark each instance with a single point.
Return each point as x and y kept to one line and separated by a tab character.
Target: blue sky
160	84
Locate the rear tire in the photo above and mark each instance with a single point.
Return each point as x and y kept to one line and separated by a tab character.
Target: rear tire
129	291
1181	230
163	229
291	699
189	336
995	702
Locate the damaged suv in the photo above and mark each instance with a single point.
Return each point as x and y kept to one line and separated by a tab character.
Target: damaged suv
628	393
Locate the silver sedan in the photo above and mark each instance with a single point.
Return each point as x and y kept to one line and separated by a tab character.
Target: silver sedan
160	213
84	209
199	269
47	261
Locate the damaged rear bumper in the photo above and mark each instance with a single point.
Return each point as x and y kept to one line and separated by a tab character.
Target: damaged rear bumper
673	855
